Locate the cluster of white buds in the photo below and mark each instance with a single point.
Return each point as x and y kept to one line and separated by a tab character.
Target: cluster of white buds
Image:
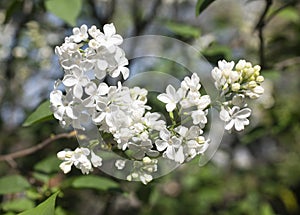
142	170
122	113
235	84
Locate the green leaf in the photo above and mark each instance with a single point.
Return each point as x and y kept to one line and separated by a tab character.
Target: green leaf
18	205
215	52
13	184
183	30
47	207
60	211
48	165
202	5
10	213
41	177
42	113
266	209
94	182
290	14
67	10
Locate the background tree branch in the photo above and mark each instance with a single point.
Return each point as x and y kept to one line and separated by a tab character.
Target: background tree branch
31	150
260	28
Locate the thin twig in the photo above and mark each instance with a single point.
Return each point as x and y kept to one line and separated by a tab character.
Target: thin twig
105	18
141	24
110	12
28	151
260	27
275	12
288	62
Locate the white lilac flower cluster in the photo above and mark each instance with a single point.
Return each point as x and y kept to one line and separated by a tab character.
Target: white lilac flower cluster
82	158
236	83
122	113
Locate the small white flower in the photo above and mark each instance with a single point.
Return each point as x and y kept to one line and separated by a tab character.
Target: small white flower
225	67
80	34
171	98
94	31
194	143
192	83
109	39
255	92
120	164
142	149
71	61
235	117
199	117
203	102
96	160
61	106
220	80
151	121
78	158
120	63
171	144
95	92
77	80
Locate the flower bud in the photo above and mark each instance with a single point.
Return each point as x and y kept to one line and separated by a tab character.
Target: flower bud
257	68
252	84
250	72
200	139
248	65
226	73
235	87
146	160
240	65
260	79
258	90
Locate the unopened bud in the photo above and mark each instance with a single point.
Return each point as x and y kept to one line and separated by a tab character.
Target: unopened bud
240	65
129	178
135	175
260	79
200	139
257	68
250	72
258	90
146	160
248	65
235	87
252	84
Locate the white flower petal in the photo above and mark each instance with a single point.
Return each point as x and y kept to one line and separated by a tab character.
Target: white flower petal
170	107
69	80
70	113
161	145
179	156
103	89
238	125
109	29
164	98
102	64
78	91
229	125
125	72
244	113
66	166
224	115
90	88
116	39
96	160
171	91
